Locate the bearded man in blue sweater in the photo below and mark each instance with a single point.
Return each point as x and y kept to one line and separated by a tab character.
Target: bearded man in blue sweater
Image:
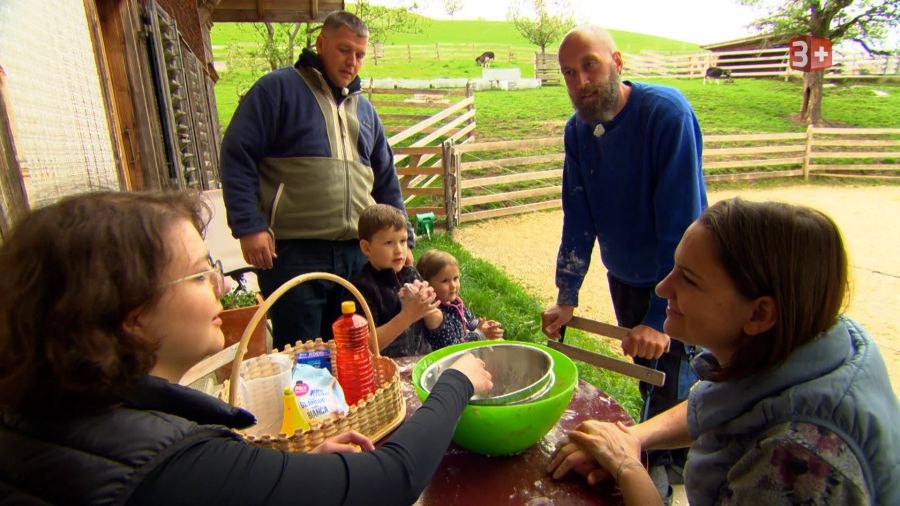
632	181
304	155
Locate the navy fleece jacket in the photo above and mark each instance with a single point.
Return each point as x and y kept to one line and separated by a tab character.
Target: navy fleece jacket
635	189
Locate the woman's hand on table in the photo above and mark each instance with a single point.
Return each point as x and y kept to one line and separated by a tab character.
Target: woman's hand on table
593	443
473	368
346	442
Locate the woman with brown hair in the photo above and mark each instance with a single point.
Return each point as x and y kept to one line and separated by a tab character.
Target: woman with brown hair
106	300
794	405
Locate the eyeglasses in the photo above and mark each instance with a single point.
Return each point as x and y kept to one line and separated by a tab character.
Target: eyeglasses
215	275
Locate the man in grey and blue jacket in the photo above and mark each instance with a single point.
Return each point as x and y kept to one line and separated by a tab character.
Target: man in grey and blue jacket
303	155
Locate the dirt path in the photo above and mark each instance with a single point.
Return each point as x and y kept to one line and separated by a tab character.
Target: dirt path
869	218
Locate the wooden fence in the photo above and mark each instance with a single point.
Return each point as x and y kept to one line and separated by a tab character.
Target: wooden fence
769	62
503	53
546	68
493	179
417	123
772	62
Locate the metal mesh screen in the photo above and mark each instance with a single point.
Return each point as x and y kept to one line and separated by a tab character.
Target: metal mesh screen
58	116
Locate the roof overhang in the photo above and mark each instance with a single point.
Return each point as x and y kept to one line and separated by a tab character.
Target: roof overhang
763	40
273	11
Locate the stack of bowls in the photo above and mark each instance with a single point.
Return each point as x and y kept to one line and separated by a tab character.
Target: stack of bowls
532	387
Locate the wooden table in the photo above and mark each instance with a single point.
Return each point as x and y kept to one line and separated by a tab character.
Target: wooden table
466	478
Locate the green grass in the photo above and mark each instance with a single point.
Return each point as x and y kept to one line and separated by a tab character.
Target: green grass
747	106
491	294
482	33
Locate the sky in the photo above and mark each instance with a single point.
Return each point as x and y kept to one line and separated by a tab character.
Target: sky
698	21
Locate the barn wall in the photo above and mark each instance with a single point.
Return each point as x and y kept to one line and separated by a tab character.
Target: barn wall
188	19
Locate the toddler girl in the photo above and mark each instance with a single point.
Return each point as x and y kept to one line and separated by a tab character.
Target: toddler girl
452	322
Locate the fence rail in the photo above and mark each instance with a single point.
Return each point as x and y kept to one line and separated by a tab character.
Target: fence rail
769	62
503	53
493	179
418	123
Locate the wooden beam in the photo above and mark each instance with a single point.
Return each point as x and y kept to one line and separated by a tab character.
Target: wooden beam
853	143
512	178
402	91
857	176
418	150
753	163
497	145
856	131
419	171
862	167
798	148
512	162
753	137
855	154
106	87
425	191
417	105
146	139
403	116
521	194
745	176
504	211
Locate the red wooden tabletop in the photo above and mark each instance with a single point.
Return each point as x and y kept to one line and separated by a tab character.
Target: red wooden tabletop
466	478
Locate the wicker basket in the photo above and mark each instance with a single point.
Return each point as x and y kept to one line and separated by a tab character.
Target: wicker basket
375	416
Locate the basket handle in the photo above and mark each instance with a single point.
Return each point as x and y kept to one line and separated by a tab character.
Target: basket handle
264	308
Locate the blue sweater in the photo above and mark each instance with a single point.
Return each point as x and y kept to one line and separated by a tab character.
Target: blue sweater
302	160
635	189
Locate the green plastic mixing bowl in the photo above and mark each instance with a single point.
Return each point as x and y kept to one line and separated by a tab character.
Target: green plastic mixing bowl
507	430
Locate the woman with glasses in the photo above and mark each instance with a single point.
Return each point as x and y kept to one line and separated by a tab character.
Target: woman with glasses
106	300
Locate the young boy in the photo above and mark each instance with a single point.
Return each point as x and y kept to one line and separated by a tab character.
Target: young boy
396	294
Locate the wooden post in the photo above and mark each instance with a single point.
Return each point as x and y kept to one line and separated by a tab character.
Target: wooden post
808	154
450	202
437	51
471	107
408	53
457	182
12	185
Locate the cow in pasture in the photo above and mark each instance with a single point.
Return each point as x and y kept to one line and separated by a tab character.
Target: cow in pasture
485	59
717	73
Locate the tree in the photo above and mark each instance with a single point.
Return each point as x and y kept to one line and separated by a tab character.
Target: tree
279	40
541	22
278	43
866	22
452	6
383	21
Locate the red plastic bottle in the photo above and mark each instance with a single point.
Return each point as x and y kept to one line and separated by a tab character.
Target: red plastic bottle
354	368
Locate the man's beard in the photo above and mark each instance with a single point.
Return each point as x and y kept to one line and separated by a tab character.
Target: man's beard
601	108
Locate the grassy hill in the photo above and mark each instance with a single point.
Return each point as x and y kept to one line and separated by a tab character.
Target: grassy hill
479	32
749	105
